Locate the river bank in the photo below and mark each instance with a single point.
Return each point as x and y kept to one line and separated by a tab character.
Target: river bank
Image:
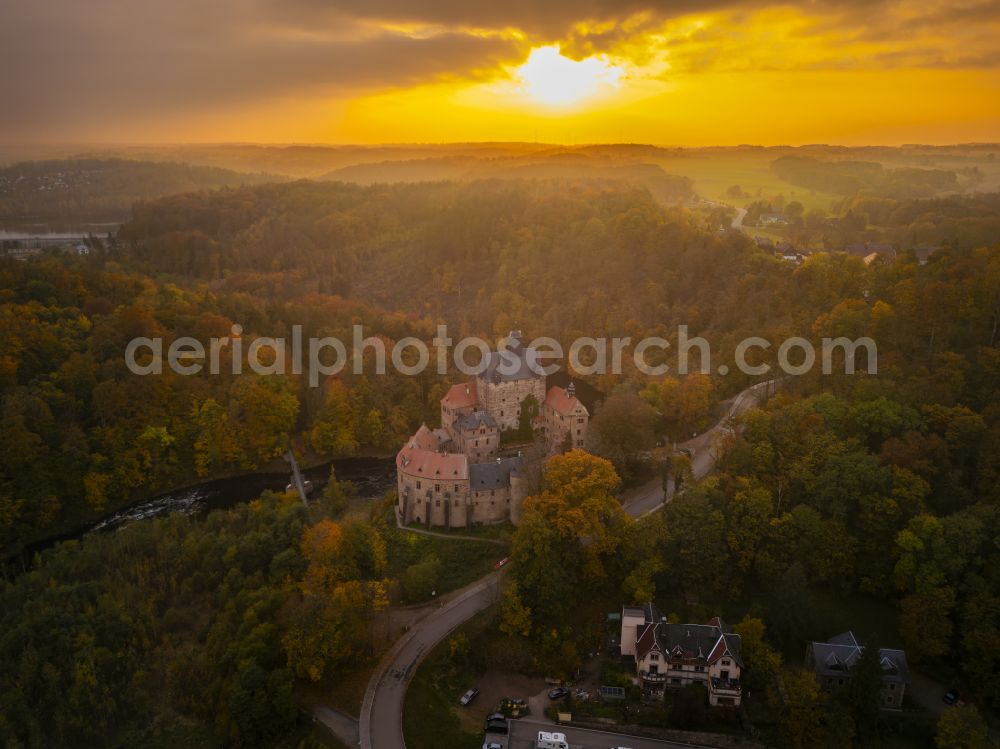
372	477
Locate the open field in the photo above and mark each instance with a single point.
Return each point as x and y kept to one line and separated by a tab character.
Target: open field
714	172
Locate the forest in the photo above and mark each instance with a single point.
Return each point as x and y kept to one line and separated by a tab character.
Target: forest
93	189
866	177
873	491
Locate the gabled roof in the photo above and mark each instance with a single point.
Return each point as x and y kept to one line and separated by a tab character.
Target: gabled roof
462	395
425	439
839	655
645	640
562	402
475	420
704	642
845	638
420	458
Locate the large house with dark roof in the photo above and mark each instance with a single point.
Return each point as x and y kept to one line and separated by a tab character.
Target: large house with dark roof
668	655
833	660
455	476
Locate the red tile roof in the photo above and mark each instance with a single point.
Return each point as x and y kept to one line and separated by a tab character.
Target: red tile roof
560	401
462	395
420	458
432	465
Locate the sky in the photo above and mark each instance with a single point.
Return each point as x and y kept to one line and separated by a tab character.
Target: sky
720	72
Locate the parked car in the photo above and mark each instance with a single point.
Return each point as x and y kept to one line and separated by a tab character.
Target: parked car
548	740
501	563
952	697
496	723
558	693
492	745
468	697
581	694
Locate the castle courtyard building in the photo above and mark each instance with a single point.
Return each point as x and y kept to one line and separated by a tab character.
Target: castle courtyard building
456	476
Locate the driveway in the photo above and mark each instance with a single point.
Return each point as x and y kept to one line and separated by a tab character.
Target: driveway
927	693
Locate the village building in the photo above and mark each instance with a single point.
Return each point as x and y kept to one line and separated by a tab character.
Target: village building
674	656
833	660
457	475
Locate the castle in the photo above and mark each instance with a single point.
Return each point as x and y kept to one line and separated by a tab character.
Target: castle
456	476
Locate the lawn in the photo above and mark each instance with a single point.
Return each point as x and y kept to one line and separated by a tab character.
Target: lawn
714	172
430	717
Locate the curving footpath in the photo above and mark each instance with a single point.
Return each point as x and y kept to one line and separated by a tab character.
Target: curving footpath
381	723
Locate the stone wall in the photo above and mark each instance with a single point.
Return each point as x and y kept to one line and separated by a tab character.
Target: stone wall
502	400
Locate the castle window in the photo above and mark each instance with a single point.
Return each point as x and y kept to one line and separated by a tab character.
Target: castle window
418	484
437	487
437	502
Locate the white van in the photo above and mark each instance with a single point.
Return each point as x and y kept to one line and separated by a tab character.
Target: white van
548	740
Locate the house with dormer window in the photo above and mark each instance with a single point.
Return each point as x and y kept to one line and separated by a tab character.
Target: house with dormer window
833	660
669	655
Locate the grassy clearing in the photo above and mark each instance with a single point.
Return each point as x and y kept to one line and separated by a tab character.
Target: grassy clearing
430	717
713	173
462	560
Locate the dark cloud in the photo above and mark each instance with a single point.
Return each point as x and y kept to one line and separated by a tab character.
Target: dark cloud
69	64
547	19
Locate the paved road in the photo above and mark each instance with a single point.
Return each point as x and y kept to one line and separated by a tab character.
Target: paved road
647	498
741	213
382	710
380	725
523	733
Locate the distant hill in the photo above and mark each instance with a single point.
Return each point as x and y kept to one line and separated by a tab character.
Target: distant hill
864	177
103	189
558	164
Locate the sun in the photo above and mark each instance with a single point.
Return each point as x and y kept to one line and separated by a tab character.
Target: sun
552	79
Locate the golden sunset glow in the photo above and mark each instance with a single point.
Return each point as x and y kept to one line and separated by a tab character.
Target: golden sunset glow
726	74
550	78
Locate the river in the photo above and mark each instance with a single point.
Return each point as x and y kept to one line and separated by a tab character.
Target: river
372	478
